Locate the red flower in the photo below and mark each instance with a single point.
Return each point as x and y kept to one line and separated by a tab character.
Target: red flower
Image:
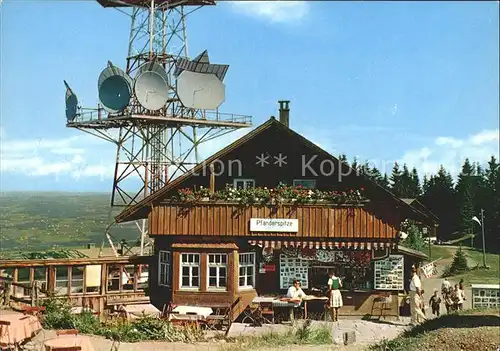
361	188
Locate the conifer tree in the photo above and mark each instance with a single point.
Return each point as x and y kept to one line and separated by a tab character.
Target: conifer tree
396	181
416	191
466	191
439	198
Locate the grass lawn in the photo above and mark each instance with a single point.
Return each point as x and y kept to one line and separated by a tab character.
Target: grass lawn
472	330
474	257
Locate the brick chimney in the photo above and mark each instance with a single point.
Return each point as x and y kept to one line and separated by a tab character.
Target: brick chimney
284	112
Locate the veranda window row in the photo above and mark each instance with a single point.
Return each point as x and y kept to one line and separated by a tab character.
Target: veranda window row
76	280
217	270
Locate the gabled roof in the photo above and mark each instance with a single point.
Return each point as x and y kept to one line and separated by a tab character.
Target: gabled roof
141	209
410	252
417	204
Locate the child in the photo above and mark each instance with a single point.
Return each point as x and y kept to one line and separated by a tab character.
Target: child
435	303
422	303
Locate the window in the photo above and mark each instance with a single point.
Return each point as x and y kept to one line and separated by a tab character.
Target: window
61	284
164	259
305	183
40	276
114	274
128	277
244	183
23	277
190	271
217	271
247	270
142	275
77	279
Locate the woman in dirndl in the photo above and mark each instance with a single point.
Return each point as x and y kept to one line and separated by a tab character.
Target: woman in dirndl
334	284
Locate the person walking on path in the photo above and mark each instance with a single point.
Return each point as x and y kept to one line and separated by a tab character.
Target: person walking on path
459	297
445	286
435	303
415	298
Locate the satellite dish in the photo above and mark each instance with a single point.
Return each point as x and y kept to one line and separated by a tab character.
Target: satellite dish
115	89
71	103
151	86
200	90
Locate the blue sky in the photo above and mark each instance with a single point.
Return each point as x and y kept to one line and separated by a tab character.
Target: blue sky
414	82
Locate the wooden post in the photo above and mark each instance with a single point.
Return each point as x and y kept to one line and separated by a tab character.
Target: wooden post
212	178
33	294
8	292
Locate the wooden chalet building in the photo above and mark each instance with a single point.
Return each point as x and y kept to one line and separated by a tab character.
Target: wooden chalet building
214	244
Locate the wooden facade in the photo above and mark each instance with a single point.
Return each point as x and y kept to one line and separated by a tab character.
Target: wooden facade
315	221
95	283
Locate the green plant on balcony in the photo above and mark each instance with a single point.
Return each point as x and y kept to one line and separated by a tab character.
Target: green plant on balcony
263	196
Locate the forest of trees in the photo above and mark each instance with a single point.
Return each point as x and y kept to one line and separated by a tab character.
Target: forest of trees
454	201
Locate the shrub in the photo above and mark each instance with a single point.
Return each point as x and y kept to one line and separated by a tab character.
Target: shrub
459	264
58	316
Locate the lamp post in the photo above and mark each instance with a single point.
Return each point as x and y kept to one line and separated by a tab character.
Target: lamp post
481	223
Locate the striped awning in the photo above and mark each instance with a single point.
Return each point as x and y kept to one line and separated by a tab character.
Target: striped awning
354	245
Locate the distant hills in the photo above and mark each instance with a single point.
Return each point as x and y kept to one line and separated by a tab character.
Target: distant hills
41	220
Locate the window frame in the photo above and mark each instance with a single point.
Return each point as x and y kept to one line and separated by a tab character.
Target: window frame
190	265
167	265
253	276
217	266
295	181
244	180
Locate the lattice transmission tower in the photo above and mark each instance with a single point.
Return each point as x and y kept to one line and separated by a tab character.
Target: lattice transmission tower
161	107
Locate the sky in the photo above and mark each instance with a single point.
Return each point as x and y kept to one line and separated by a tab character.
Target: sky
412	82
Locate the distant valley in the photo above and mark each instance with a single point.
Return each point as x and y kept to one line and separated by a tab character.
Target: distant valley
41	220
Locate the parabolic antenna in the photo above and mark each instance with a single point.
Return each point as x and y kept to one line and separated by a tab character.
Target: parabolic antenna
71	103
115	89
151	86
200	90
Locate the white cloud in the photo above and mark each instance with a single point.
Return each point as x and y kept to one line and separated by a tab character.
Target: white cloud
45	157
451	152
275	11
82	156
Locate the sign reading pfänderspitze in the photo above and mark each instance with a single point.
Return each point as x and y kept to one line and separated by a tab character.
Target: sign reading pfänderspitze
274	225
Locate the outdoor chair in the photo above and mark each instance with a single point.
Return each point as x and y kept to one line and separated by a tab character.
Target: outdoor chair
224	317
267	312
4	331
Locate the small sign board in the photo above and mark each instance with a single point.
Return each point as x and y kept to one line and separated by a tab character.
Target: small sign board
429	270
270	268
274	225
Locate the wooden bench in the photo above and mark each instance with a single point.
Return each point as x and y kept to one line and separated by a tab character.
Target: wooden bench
66	348
67	332
32	310
135	301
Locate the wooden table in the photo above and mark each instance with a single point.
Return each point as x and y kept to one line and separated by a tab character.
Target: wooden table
17	327
69	341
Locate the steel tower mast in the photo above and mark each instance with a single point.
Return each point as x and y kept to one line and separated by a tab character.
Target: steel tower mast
154	146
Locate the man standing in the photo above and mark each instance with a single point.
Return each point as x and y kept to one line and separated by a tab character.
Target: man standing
415	298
